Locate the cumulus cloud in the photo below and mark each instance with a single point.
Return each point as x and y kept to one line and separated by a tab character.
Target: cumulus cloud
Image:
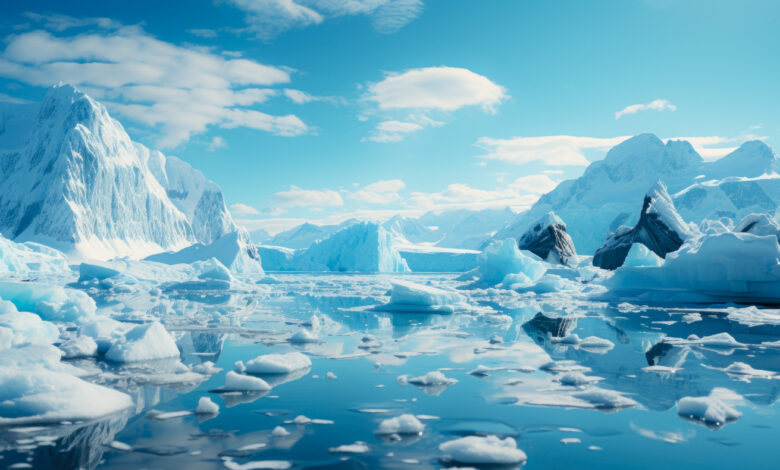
519	195
655	105
393	131
268	18
241	210
442	88
181	91
297	197
380	192
217	142
553	150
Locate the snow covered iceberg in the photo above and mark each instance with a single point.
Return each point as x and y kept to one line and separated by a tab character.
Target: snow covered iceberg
234	250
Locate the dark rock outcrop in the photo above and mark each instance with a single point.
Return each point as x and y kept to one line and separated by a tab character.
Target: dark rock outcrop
547	239
660	229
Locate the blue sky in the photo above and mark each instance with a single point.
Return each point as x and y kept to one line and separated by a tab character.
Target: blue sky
323	110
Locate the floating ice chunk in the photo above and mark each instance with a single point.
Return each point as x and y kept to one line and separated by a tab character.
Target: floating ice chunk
206	407
302	420
590	342
742	371
570	440
278	363
718	340
280	432
432	378
244	383
143	343
25	326
603	399
407	296
711	410
404	424
576	379
258	465
691	317
233	250
117	445
501	259
206	368
39	395
50	302
163	415
30	257
303	336
331	376
483	450
356	448
481	371
640	255
104	330
80	346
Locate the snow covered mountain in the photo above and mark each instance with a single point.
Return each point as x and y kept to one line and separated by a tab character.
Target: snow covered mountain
606	195
71	178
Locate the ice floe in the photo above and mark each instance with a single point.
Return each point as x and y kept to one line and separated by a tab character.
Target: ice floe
490	450
278	363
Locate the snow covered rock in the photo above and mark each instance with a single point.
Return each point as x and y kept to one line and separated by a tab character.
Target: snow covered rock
660	229
234	250
488	450
144	343
77	183
547	239
278	363
725	267
759	224
362	247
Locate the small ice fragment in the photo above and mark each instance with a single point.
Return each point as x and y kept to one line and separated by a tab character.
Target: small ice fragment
483	450
280	432
331	376
243	383
278	363
570	440
303	336
117	445
206	368
206	407
709	410
404	424
432	378
356	448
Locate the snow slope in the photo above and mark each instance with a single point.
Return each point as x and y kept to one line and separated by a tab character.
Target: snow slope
233	250
606	195
76	182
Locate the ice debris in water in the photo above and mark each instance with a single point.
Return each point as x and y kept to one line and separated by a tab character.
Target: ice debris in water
404	424
302	420
206	368
244	383
278	363
80	346
488	450
432	378
591	342
407	296
206	407
501	262
303	336
143	343
279	431
712	410
356	448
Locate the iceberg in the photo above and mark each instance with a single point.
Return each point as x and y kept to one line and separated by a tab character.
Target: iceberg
432	259
759	224
710	411
547	239
233	250
206	407
404	424
50	302
27	258
144	343
235	382
640	255
501	262
725	267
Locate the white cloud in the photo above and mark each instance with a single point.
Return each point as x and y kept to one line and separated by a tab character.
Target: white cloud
179	90
462	196
4	98
297	197
441	88
395	131
56	22
554	150
534	184
714	147
655	105
239	209
203	33
217	142
269	18
380	192
301	97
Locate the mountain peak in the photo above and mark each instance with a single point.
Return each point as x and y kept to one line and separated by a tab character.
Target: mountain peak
639	146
